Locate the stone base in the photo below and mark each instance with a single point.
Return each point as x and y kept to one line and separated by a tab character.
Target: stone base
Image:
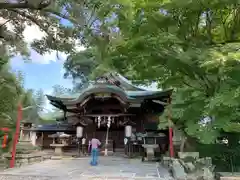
166	161
228	176
3	164
56	157
150	151
109	153
183	155
25	159
178	170
58	149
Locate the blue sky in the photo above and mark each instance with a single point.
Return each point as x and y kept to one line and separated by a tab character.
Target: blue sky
41	76
44	71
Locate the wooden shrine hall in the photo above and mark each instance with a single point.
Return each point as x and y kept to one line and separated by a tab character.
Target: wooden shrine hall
110	104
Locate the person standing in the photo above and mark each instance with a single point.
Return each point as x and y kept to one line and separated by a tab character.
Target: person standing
89	147
95	143
84	146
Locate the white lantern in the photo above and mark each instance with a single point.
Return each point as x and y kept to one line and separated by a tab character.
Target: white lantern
128	131
109	122
99	121
79	131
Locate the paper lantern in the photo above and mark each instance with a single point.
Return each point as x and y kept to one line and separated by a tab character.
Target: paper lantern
5	137
128	131
79	131
4	143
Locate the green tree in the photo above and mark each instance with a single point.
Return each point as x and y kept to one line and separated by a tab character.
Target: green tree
59	90
34	103
79	67
190	46
39	98
47	15
10	90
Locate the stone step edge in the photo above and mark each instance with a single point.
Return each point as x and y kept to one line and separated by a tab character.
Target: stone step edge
122	177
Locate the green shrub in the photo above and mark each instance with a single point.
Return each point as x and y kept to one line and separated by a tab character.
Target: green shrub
225	157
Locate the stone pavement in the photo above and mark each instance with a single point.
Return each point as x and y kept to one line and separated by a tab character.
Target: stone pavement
109	168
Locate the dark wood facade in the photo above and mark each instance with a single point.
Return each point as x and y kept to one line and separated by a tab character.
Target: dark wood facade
116	99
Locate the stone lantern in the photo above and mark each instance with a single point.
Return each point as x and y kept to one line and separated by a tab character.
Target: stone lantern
79	135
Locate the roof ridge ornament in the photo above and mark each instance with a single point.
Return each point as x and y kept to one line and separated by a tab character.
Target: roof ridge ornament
108	79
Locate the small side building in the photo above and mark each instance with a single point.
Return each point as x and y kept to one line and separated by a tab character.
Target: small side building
43	131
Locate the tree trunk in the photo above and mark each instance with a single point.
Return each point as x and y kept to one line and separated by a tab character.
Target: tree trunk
182	145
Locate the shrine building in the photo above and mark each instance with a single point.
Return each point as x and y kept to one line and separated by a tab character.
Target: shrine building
108	108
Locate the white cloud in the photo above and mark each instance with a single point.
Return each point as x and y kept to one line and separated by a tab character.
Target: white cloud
47	106
78	46
32	33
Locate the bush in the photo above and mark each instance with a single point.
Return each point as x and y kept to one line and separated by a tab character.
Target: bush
225	157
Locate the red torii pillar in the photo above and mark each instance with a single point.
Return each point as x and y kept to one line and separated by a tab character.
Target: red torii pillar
16	136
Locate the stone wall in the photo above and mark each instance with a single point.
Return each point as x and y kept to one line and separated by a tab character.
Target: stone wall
190	167
25	159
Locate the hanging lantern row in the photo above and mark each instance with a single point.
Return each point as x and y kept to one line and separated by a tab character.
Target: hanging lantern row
106	120
109	122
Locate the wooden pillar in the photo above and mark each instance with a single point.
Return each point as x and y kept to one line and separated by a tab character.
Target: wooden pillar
65	115
42	139
142	122
106	144
21	132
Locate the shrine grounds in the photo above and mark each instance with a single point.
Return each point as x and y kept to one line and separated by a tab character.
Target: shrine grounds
115	168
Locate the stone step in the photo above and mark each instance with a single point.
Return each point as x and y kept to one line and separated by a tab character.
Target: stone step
119	150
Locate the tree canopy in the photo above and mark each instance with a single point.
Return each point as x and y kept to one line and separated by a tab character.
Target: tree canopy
44	14
10	90
191	46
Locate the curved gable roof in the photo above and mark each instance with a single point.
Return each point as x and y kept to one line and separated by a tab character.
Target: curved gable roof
101	88
124	90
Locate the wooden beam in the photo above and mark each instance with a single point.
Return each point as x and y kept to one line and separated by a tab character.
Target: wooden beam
85	101
160	102
42	139
105	107
120	100
106	115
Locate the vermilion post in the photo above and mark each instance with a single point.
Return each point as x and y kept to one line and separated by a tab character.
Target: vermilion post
170	130
171	142
16	136
4	143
